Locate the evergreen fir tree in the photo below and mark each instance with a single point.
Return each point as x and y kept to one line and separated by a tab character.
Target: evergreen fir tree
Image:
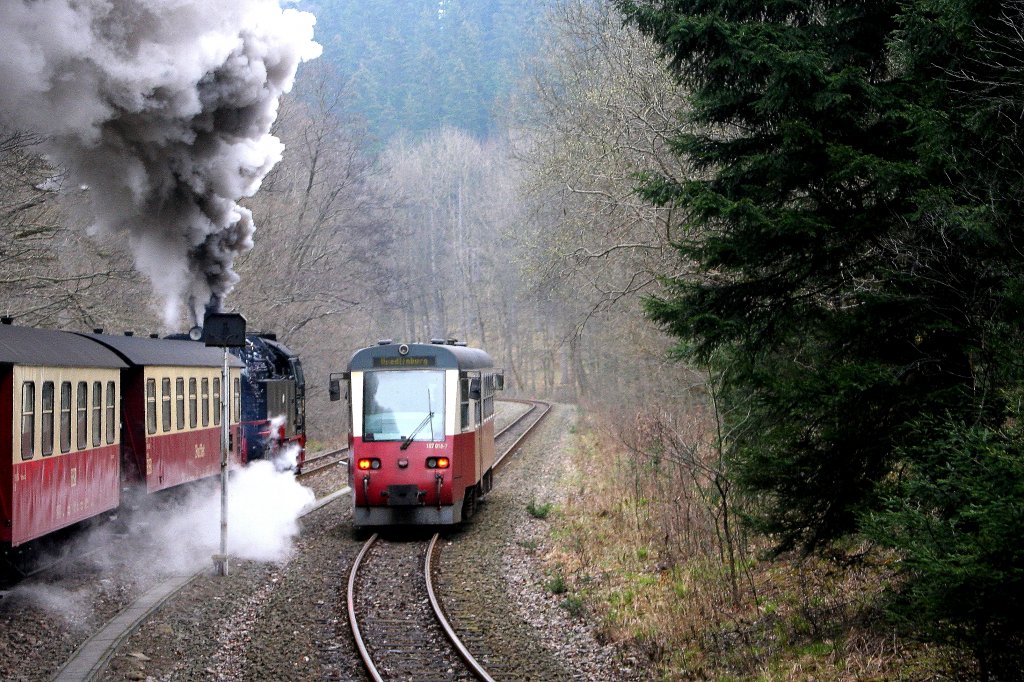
855	232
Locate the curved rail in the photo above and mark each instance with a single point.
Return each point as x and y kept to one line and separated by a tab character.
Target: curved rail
473	666
441	620
449	631
534	406
321	461
353	623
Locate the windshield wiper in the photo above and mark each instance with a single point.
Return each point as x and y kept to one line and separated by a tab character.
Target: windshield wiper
408	439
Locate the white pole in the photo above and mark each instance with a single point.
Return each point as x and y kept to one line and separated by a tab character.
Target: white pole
221	560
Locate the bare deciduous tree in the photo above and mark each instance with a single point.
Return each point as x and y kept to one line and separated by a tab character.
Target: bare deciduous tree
50	274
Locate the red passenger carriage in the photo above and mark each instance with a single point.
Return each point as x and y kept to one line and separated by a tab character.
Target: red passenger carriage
83	417
172	413
59	431
422	437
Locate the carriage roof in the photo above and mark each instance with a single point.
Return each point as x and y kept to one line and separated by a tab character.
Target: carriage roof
142	351
53	348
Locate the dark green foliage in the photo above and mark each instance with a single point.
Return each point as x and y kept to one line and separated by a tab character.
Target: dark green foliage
856	228
956	514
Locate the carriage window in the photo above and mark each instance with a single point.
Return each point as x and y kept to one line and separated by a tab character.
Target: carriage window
111	422
28	419
205	398
192	404
97	414
179	403
47	427
83	415
165	404
216	402
65	416
406	404
151	406
236	401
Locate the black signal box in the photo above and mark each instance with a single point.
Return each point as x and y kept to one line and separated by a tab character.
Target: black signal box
224	330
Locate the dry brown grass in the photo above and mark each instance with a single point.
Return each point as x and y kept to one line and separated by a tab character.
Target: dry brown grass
641	545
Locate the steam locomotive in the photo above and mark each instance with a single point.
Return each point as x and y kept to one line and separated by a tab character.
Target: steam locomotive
273	397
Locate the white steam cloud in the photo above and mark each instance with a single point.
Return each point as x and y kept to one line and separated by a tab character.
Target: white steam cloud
171	536
163	109
264	506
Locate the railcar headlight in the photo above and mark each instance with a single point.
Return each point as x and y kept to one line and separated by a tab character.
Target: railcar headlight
438	462
367	464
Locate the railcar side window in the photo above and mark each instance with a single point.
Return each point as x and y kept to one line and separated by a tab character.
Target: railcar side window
205	397
83	415
165	398
47	427
236	401
193	412
28	419
464	404
151	406
216	402
97	414
179	403
65	416
111	421
488	395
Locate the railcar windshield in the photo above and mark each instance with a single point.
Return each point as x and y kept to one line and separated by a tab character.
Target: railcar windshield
403	405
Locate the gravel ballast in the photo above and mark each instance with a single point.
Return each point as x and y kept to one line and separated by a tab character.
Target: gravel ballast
286	619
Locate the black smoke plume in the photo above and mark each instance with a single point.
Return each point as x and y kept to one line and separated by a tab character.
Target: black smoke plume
163	109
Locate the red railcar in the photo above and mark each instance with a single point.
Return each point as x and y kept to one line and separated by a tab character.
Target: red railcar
422	432
84	415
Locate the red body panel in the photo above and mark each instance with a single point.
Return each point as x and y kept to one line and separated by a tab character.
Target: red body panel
176	458
465	470
416	473
48	492
56	491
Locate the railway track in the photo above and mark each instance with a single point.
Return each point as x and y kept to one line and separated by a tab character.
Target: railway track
320	461
398	624
399	628
90	660
508	439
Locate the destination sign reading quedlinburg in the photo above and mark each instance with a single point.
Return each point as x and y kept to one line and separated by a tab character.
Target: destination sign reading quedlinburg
406	361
